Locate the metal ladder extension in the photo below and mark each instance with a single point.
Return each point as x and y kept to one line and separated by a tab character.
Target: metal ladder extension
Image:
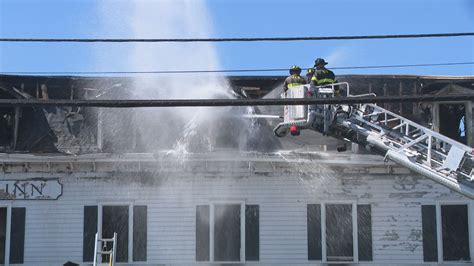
99	249
416	147
405	142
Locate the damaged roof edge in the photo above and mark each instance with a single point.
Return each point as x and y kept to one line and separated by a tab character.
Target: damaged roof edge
242	162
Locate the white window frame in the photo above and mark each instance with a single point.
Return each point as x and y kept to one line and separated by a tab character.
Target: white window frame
355	240
130	205
211	230
8	223
439	229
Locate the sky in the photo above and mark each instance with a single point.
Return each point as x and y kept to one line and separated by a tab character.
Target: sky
243	18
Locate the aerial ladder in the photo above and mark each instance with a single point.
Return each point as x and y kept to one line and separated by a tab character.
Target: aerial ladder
405	142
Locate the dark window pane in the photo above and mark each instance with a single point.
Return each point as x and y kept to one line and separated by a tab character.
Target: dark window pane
450	118
115	219
430	240
139	233
3	233
202	233
314	232
455	233
17	237
364	232
90	229
227	232
339	240
252	237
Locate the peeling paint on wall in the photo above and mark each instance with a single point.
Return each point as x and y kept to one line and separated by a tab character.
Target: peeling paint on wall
405	183
407	195
390	235
415	235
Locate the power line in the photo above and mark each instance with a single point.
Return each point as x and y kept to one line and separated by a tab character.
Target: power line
222	71
259	39
228	102
408	65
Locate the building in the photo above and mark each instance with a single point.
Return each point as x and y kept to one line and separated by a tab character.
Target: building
292	201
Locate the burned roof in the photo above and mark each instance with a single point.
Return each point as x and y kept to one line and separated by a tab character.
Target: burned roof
92	130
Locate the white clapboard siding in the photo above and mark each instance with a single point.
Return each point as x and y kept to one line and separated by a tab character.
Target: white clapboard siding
54	229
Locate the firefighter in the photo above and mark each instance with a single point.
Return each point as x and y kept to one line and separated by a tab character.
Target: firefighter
309	74
294	79
324	76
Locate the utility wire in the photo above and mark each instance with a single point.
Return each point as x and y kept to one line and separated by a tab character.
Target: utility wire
229	102
221	71
259	39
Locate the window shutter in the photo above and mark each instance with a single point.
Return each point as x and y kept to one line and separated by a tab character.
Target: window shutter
252	233
139	233
314	232
430	241
90	229
3	233
364	232
17	241
202	233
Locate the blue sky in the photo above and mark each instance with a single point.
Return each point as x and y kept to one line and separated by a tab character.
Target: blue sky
249	18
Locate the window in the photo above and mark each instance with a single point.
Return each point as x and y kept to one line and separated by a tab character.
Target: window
227	232
12	241
116	218
339	232
445	232
339	237
452	118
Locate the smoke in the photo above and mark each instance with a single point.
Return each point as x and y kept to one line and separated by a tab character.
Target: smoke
181	129
338	56
174	19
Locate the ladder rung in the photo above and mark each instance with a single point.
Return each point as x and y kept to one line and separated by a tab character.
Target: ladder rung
106	252
106	240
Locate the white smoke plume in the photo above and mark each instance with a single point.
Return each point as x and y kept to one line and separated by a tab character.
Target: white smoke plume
183	129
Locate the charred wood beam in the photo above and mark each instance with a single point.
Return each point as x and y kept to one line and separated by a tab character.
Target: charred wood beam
15	127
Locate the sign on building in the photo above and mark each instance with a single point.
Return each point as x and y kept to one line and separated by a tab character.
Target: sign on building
31	189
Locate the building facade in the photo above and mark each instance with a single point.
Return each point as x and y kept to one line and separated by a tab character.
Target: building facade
228	207
292	201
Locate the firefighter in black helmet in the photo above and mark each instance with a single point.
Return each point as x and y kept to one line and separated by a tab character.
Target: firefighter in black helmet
294	79
323	76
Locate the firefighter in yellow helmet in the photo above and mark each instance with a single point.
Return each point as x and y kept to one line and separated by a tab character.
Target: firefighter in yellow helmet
309	74
294	79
